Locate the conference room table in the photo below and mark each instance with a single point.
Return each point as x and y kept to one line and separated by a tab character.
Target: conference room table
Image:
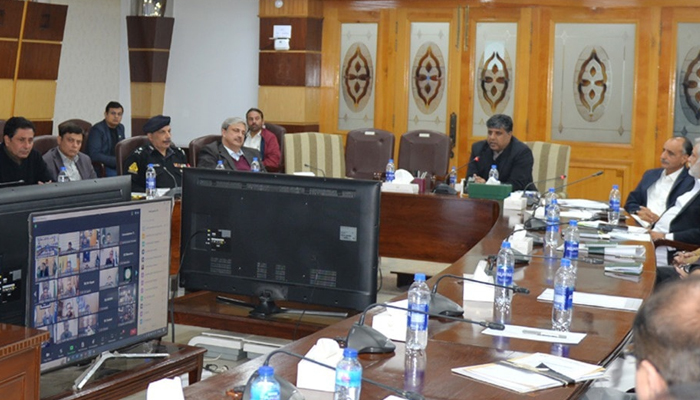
457	344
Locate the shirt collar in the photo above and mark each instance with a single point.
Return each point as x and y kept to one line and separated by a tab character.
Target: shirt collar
65	159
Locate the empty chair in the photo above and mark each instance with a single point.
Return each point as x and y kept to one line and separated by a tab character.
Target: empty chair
367	152
551	162
197	144
320	153
425	151
44	143
126	147
279	131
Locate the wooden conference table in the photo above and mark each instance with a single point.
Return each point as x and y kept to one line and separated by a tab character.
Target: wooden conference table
456	344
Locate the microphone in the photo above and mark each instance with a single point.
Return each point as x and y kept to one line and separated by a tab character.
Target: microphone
175	192
13	183
444	306
562	177
599	173
366	339
316	169
289	391
169	173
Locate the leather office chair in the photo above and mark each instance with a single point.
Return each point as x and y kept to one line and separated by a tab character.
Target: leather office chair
196	145
425	151
321	151
44	143
367	151
126	147
279	132
551	161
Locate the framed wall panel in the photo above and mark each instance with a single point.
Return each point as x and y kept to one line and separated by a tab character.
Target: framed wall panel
358	57
687	100
593	82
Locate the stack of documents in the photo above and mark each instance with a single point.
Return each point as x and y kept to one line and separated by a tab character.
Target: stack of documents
532	372
624	268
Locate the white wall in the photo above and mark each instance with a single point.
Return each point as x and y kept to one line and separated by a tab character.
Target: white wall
212	71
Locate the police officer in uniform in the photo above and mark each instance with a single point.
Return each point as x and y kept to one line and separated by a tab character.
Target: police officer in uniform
167	159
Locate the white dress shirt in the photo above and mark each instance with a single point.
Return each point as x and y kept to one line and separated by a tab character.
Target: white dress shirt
663	225
71	167
253	141
233	154
658	192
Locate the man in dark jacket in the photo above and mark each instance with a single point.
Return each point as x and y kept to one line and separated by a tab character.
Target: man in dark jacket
19	162
104	137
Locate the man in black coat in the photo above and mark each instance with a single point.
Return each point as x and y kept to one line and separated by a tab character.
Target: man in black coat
19	162
512	158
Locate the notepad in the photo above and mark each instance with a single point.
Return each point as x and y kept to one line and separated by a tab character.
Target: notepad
597	300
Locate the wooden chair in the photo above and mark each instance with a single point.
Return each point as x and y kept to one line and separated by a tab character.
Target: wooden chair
551	162
320	153
367	151
426	151
196	145
126	147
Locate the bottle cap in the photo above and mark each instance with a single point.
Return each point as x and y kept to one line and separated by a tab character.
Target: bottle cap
493	166
350	352
150	165
266	370
419	277
615	187
565	262
63	168
220	162
551	190
255	158
573	222
454	168
391	160
505	245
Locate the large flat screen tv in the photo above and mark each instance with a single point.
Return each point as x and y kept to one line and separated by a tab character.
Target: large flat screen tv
99	278
16	203
281	237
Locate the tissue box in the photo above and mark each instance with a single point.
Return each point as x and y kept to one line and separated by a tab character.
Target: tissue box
491	192
316	377
515	203
523	245
410	188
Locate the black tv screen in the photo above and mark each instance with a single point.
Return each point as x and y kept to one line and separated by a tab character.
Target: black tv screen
16	203
298	238
98	278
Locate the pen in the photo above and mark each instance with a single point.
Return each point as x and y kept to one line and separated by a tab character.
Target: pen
546	334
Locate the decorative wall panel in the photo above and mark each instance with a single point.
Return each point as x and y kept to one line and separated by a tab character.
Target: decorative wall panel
687	103
427	106
358	66
593	82
495	72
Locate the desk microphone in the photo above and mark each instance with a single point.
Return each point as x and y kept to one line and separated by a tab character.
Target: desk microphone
599	173
173	192
13	183
440	304
290	392
169	173
316	169
366	339
539	195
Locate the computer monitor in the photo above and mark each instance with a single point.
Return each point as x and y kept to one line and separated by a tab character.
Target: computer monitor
15	205
98	278
281	237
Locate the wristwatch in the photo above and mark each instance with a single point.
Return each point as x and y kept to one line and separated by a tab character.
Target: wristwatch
689	268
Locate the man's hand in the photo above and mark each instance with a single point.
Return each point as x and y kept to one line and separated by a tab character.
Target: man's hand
656	235
646	215
479	179
686	257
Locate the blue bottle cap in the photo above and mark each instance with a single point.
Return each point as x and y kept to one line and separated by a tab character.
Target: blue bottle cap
255	158
615	187
420	277
551	190
493	166
565	262
573	222
150	165
266	370
350	352
505	245
554	201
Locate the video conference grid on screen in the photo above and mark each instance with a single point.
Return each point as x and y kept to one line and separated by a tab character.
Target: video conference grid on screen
92	286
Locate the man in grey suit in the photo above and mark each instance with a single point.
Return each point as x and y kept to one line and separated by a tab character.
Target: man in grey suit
67	154
230	149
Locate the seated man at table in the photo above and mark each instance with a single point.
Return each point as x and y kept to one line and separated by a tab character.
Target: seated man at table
260	138
19	162
167	159
660	187
681	222
67	154
511	156
229	149
105	135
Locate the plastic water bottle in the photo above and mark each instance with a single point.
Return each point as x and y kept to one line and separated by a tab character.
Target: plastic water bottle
151	182
505	264
220	164
571	241
548	197
614	206
255	165
417	326
390	170
493	173
414	370
265	386
551	235
348	376
562	308
63	175
453	177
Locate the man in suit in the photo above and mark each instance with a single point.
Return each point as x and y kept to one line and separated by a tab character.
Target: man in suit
19	162
512	157
679	222
67	154
261	139
104	137
660	187
230	149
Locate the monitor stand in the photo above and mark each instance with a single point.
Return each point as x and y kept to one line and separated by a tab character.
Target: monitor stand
267	307
106	355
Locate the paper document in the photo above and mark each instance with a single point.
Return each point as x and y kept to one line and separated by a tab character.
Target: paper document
641	222
597	300
625	268
532	372
536	334
583	203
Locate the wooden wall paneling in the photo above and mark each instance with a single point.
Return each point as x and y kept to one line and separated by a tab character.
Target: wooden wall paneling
147	99
44	127
292	8
149	32
615	172
45	22
39	60
6	98
10	18
137	126
289	68
35	99
8	61
148	65
294	128
289	104
306	33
